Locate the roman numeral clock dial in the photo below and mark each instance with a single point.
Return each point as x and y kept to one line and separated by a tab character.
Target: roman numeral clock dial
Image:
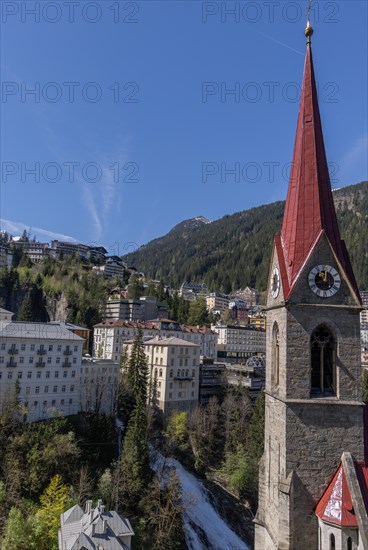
324	280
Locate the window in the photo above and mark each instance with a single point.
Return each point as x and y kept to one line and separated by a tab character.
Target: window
63	389
275	360
21	360
65	374
3	346
71	388
73	373
171	373
49	360
332	542
74	360
29	374
1	359
47	374
45	403
75	348
50	347
54	389
20	374
349	544
37	389
53	402
57	360
32	347
160	373
62	401
56	374
59	347
70	401
31	360
46	389
35	403
10	375
322	361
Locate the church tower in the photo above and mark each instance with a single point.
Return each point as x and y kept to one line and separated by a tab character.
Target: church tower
313	380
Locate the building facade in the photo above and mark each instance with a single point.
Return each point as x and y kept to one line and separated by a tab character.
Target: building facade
174	373
236	342
217	303
313	408
110	336
143	309
99	386
42	361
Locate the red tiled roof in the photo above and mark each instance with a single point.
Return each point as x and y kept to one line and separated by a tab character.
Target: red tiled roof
335	505
309	209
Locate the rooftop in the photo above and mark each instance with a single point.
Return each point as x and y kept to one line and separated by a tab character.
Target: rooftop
42	331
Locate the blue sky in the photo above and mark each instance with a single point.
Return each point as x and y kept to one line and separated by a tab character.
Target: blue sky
133	127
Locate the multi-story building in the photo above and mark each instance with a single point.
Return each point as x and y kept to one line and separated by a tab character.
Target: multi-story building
211	380
113	268
248	295
109	336
6	257
36	251
238	310
143	309
96	253
99	386
257	320
216	302
190	291
236	343
42	362
174	373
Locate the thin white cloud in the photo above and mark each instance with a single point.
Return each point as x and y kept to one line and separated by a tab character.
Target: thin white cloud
356	153
17	228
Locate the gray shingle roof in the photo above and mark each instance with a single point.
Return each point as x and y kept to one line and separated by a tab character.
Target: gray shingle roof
42	331
170	342
93	531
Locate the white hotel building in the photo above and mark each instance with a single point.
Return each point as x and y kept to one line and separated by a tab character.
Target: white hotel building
109	336
45	359
173	365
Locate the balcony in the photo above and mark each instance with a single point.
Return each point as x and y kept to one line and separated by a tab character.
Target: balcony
40	364
11	364
41	351
67	364
13	351
68	352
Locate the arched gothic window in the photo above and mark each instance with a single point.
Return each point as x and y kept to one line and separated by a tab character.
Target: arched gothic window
332	542
275	355
322	361
349	544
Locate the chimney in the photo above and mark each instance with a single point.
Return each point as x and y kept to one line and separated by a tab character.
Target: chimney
99	502
88	506
93	530
104	524
102	508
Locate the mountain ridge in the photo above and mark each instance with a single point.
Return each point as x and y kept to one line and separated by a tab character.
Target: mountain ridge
234	251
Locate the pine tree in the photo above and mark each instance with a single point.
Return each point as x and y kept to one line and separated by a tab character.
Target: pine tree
25	312
134	466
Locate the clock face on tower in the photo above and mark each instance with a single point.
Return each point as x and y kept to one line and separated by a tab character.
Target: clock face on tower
275	283
324	280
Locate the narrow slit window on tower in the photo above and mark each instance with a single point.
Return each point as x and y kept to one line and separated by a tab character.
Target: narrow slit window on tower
332	542
275	355
322	361
349	544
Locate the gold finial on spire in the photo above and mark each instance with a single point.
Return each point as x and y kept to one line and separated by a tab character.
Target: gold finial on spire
308	31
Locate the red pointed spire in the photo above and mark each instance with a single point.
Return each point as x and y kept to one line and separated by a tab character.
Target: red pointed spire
309	206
